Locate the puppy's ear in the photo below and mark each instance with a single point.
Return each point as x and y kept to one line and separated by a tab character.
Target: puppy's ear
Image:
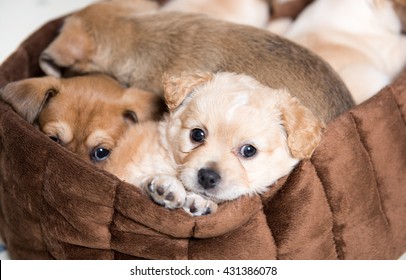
140	106
72	47
303	128
177	88
28	97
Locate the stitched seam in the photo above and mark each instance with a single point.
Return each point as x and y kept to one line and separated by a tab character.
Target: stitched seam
188	241
403	117
44	179
364	146
112	217
339	253
3	117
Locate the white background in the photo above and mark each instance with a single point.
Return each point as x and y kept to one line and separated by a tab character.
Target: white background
19	18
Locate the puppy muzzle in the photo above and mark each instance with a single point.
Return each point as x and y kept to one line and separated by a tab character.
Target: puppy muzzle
208	178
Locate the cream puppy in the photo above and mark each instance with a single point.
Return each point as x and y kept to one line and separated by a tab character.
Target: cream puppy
249	12
226	136
361	40
143	158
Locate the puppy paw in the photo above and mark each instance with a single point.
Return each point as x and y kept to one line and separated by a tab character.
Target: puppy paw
165	190
197	205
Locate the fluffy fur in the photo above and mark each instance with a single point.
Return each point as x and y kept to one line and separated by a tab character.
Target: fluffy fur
361	40
87	114
137	50
250	12
234	111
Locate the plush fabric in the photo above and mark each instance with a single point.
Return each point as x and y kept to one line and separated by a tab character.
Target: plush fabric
282	8
347	202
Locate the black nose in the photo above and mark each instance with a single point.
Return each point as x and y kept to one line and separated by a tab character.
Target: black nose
208	178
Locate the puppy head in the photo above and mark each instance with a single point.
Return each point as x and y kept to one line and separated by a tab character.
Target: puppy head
233	136
87	38
87	115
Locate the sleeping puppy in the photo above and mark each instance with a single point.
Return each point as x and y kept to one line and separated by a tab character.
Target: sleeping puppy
250	12
137	50
226	136
361	40
87	114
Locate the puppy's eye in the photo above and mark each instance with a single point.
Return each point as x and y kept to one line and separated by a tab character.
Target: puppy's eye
100	154
55	139
248	151
197	135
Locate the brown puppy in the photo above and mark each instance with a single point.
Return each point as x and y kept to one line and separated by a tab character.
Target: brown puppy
226	136
137	50
86	114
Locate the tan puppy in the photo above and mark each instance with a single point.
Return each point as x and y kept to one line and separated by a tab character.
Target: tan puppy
137	50
361	40
87	115
226	135
250	12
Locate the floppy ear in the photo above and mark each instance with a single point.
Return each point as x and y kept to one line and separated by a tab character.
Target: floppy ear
303	128
28	97
178	87
139	105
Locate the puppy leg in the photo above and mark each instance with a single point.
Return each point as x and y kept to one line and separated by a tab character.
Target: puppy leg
197	205
165	190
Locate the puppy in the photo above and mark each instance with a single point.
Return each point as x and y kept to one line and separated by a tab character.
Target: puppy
137	50
87	114
143	158
250	12
361	40
226	136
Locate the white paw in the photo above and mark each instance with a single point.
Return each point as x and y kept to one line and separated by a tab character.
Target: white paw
197	205
165	190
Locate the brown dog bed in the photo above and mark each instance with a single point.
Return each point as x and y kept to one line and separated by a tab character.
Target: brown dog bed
347	202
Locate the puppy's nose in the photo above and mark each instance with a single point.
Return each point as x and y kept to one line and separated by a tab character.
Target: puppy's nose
208	178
